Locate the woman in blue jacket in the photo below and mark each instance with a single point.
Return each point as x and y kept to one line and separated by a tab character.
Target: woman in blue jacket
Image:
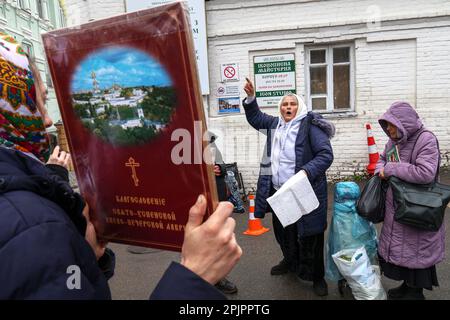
296	140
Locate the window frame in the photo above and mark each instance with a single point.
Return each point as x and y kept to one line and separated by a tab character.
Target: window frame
24	5
25	44
330	76
40	9
61	17
2	12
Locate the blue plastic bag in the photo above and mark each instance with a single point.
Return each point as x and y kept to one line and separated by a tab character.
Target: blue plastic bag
348	230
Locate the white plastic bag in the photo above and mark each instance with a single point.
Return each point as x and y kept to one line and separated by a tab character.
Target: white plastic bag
362	277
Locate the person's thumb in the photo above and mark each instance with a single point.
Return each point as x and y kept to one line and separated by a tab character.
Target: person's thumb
196	214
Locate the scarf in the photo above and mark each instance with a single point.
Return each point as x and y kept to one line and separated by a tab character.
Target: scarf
21	124
282	130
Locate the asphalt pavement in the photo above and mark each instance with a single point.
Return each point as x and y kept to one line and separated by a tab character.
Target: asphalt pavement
139	269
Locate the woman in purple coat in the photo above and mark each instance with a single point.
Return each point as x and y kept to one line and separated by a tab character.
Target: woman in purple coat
407	253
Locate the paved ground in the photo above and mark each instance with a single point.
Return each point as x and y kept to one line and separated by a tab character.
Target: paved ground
137	274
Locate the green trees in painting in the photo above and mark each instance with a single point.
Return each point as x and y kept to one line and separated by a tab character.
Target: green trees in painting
119	123
157	105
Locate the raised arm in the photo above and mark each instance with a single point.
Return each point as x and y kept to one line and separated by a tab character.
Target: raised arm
255	117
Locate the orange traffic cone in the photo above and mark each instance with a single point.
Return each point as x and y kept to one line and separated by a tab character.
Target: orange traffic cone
373	152
255	227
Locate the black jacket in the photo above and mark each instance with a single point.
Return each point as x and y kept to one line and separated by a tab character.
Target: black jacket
222	191
42	245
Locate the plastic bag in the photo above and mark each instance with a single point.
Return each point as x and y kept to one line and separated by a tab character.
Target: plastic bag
362	277
371	204
347	229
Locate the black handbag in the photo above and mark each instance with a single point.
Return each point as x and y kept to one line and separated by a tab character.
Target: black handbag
420	206
371	203
417	205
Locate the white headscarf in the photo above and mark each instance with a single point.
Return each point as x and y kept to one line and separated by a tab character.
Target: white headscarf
302	111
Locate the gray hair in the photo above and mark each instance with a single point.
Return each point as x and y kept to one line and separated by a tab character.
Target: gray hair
289	94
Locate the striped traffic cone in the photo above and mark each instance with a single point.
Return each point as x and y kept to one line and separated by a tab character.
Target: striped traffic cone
255	227
373	152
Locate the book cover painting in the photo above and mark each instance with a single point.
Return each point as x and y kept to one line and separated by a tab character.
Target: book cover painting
130	100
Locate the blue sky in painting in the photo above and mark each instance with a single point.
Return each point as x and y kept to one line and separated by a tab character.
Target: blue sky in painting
124	66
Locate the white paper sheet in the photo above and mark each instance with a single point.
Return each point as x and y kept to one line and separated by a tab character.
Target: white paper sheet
294	199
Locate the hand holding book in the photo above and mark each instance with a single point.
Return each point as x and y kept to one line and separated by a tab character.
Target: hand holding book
138	127
59	157
97	245
210	249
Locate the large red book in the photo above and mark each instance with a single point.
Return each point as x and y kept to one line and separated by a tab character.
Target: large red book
130	101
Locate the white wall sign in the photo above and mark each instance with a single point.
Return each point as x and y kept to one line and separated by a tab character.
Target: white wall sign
229	72
198	23
227	90
274	77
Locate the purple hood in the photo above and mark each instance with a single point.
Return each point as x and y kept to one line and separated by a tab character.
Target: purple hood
404	117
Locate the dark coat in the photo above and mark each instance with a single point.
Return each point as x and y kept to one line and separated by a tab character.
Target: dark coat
222	191
179	283
42	235
39	240
313	154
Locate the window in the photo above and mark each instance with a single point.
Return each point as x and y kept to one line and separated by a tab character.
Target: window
330	78
28	48
62	17
24	4
40	7
2	12
48	78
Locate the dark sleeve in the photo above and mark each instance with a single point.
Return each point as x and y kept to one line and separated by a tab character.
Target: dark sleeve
179	283
322	153
107	263
50	261
255	117
60	171
223	169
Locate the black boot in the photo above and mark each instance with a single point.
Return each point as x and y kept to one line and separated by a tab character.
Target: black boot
281	268
405	292
397	292
320	287
413	294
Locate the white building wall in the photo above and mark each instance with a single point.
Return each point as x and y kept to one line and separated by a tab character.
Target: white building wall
402	52
404	55
82	11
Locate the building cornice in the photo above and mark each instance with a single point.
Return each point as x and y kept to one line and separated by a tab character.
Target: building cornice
444	15
24	13
232	5
27	31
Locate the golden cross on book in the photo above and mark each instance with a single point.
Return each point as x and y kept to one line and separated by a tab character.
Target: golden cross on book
133	164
